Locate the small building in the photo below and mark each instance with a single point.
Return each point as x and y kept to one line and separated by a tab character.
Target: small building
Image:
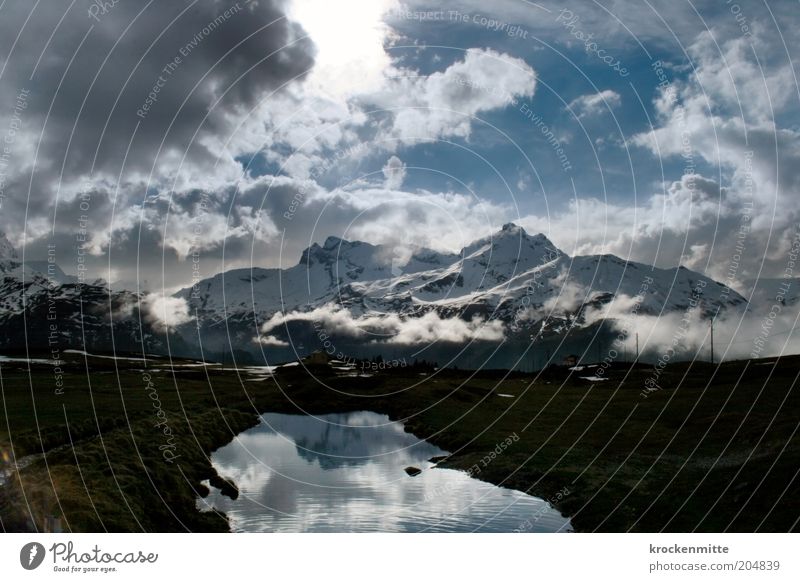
571	360
316	358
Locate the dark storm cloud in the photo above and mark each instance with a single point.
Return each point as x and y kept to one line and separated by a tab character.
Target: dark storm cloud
112	91
95	74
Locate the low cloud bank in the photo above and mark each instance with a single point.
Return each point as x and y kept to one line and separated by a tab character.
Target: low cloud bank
165	312
391	328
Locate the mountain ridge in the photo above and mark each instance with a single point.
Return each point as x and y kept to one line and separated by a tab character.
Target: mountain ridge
494	276
368	299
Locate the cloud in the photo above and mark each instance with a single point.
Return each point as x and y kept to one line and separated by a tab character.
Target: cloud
431	328
130	106
391	328
686	335
166	313
146	85
595	103
726	115
444	103
350	37
657	232
395	172
271	340
309	114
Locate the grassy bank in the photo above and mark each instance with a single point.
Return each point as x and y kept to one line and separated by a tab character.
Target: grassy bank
712	449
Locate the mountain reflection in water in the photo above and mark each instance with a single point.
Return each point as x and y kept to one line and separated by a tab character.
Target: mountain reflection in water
345	473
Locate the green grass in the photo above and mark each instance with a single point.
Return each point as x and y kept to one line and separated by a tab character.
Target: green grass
715	450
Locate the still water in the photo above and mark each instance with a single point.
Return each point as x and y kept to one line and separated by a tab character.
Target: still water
346	473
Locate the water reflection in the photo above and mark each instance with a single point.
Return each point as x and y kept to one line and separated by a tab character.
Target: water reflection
345	472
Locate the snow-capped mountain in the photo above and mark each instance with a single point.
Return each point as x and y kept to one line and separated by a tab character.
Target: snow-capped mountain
42	309
501	273
362	298
7	250
523	281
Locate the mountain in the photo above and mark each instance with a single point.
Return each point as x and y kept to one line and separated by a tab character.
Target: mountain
321	271
358	299
42	309
522	282
7	250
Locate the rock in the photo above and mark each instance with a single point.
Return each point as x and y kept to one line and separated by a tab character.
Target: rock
226	486
413	471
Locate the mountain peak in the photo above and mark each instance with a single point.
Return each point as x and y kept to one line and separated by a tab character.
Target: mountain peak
512	228
513	239
332	242
7	250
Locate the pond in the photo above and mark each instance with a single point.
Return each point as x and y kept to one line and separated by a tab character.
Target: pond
346	473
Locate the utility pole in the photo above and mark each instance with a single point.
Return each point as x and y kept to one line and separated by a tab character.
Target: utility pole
712	340
637	348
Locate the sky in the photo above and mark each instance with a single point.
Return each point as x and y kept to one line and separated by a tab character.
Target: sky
152	143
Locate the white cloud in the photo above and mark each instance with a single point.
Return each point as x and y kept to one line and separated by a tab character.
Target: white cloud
443	221
595	103
271	340
686	208
444	103
725	115
165	312
395	173
737	335
392	328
